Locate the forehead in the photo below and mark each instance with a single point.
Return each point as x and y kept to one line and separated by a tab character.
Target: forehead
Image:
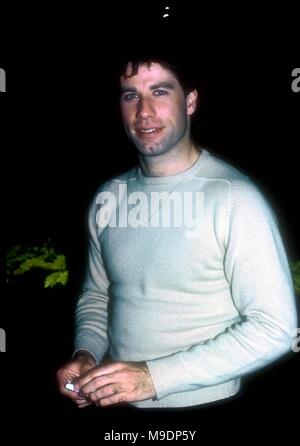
147	75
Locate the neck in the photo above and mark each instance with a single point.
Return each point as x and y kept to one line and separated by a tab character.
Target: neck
169	163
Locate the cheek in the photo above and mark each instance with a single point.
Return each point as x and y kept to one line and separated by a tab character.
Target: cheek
126	115
173	110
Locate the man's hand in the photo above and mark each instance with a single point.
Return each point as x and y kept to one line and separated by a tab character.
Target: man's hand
116	382
82	363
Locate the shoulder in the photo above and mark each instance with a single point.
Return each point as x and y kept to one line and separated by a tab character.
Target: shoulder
110	188
239	182
221	176
237	188
111	185
129	175
215	168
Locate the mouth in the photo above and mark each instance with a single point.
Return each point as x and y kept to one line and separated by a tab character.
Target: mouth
147	131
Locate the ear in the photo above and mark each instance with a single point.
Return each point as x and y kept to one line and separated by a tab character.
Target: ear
191	102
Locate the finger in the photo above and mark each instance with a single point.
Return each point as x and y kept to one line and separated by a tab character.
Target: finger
104	392
97	383
83	403
99	371
70	372
64	377
114	399
72	395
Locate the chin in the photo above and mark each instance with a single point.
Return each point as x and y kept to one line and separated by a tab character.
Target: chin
153	149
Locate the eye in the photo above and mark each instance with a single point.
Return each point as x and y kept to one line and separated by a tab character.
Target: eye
129	97
160	92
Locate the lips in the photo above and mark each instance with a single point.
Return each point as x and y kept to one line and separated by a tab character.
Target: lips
147	131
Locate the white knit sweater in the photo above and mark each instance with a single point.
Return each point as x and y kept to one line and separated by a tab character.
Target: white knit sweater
204	305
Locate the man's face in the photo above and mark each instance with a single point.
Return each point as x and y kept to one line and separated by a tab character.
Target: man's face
155	109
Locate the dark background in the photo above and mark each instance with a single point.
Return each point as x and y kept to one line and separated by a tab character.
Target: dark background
61	137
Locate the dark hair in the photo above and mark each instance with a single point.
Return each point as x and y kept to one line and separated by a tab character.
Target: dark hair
176	60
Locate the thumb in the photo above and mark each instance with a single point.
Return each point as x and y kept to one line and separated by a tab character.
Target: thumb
86	368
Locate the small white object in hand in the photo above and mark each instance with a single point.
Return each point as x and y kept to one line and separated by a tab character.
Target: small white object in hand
70	386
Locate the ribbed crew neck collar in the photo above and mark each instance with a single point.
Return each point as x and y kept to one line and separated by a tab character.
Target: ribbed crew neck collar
181	176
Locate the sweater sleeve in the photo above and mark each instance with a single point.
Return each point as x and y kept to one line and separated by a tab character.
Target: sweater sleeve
256	267
91	310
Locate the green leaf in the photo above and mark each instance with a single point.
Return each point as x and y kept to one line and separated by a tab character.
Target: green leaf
22	259
57	278
295	270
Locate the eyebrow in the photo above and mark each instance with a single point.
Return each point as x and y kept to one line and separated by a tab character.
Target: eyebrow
166	85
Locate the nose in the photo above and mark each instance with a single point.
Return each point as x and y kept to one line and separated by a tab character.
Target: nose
145	109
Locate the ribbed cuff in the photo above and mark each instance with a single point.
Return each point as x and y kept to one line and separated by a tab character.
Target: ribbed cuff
84	351
168	375
88	343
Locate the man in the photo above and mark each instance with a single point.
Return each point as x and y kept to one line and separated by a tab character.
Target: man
188	286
